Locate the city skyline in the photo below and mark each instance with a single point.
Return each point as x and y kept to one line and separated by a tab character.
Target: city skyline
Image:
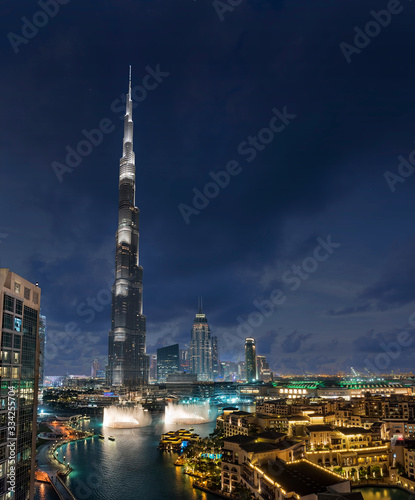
294	150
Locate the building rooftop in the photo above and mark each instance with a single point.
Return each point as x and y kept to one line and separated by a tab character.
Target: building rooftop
319	428
258	447
271	435
285	444
298	418
352	431
301	477
239	439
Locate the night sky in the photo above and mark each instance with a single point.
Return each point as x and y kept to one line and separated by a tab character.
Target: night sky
218	75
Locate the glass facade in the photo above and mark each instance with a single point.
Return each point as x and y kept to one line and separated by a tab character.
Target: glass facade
200	348
250	360
18	393
42	346
168	361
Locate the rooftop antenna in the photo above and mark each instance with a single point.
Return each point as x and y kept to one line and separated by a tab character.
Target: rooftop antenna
129	82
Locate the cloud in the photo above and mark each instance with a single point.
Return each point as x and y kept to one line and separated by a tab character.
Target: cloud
294	341
394	289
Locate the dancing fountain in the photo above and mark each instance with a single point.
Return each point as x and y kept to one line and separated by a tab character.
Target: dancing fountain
187	413
125	417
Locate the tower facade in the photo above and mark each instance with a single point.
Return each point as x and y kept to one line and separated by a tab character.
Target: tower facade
128	363
42	349
168	362
200	348
250	359
19	377
215	358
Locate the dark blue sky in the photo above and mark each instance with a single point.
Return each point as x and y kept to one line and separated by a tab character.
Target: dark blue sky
322	175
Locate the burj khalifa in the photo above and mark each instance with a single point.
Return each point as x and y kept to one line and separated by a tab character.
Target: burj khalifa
128	363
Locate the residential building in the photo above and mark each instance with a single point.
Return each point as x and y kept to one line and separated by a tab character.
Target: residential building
19	375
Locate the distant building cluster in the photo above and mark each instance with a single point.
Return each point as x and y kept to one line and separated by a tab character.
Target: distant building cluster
202	359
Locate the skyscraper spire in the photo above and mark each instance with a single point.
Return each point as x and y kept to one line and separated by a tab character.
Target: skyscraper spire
129	84
127	360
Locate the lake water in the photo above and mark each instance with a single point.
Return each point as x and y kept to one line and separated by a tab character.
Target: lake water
130	467
384	494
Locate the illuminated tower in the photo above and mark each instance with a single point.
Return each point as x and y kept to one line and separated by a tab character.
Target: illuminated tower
128	364
200	349
250	359
19	377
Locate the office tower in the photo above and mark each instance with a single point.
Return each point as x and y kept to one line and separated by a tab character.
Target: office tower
241	370
229	370
250	359
168	362
128	364
42	347
19	370
184	360
95	366
215	358
200	350
153	367
263	371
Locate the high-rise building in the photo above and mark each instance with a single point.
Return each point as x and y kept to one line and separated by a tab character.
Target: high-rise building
215	358
95	366
128	363
42	347
153	367
263	371
168	362
19	376
200	349
250	359
228	370
184	360
241	370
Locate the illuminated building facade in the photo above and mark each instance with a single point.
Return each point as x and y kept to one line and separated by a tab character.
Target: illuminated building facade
19	369
215	358
42	341
200	349
250	359
128	363
168	361
95	366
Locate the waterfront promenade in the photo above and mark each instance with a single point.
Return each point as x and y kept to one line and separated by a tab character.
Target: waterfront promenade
50	469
